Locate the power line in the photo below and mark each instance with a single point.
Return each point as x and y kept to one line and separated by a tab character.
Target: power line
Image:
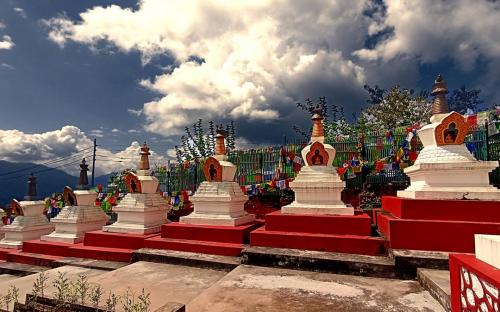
44	170
49	162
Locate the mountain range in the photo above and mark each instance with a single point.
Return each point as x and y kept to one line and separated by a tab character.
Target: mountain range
49	180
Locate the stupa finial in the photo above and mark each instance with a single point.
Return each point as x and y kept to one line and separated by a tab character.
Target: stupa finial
31	194
144	163
83	181
220	146
317	118
439	90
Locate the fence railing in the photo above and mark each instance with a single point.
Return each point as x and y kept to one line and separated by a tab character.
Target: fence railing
264	164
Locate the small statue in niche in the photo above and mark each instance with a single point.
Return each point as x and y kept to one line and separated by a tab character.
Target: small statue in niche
317	159
450	134
213	172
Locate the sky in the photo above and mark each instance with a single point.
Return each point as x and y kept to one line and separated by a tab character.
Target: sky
124	72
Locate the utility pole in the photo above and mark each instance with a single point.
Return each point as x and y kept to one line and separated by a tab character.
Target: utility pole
93	162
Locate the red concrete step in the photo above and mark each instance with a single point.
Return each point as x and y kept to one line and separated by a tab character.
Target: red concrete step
456	210
205	247
319	224
46	248
353	244
31	258
211	233
434	235
101	253
115	240
4	252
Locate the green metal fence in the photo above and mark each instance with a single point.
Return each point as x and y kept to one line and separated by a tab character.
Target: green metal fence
263	164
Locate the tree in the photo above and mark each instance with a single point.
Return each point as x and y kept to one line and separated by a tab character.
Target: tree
398	108
375	94
196	144
461	100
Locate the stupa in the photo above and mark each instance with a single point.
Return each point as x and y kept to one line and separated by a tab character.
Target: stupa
30	222
449	199
318	219
80	215
445	169
318	187
143	210
219	224
219	200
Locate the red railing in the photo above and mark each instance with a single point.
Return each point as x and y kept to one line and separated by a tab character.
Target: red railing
475	285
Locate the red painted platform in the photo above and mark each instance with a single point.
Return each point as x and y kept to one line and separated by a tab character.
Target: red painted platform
436	225
115	240
458	210
436	235
208	239
46	248
334	233
101	253
210	233
205	247
319	224
353	244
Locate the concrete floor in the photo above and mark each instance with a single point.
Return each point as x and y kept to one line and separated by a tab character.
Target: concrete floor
164	282
249	288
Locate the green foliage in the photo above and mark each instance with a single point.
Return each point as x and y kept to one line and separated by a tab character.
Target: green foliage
95	296
111	302
39	286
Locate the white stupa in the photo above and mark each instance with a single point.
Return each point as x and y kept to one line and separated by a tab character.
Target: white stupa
30	222
318	186
80	215
143	210
445	169
219	200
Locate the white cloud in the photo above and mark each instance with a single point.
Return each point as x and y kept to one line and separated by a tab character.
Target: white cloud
97	133
259	57
133	131
114	130
6	43
135	112
8	66
64	148
21	12
2	25
254	53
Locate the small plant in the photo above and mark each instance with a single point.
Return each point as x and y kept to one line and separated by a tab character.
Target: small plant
111	302
63	288
127	300
38	289
82	287
95	296
144	302
11	296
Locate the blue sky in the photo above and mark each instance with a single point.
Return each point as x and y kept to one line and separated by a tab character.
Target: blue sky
90	65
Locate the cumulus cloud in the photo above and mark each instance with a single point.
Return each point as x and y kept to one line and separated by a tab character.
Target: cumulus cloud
97	133
2	25
114	130
6	43
64	149
251	60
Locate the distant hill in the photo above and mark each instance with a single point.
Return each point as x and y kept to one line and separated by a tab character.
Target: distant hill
48	182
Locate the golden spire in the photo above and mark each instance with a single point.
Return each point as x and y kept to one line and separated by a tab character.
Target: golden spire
317	118
220	147
144	163
439	90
